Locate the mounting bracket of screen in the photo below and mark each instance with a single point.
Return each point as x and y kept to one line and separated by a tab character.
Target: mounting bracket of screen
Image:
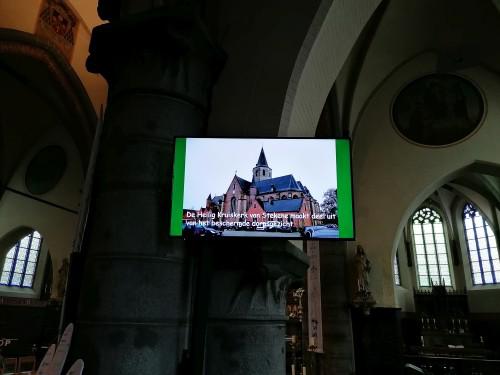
289	188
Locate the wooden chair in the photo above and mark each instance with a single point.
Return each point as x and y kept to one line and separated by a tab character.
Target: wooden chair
10	366
26	364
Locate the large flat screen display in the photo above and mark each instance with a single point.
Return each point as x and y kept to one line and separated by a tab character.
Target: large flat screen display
280	187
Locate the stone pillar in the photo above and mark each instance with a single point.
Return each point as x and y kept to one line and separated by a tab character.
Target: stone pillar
338	357
247	309
160	67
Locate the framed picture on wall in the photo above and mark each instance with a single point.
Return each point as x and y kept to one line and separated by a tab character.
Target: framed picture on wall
438	110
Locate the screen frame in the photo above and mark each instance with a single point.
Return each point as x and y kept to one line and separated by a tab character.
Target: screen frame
176	184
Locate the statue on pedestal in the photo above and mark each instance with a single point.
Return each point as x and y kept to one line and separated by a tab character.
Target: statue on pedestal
63	277
362	296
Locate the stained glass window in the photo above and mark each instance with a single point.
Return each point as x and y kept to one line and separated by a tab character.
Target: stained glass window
430	249
397	277
482	247
20	263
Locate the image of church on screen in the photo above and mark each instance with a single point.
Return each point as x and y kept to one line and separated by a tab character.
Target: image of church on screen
266	198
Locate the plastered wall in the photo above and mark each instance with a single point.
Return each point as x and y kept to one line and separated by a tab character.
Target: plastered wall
56	226
392	176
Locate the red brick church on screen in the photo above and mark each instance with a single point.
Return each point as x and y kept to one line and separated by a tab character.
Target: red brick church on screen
265	198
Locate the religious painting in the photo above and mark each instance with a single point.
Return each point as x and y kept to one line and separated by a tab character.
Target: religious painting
438	110
59	24
45	170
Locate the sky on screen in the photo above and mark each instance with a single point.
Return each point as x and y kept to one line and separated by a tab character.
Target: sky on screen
212	162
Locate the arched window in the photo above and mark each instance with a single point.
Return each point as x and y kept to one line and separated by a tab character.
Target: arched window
233	205
20	263
397	277
482	247
430	248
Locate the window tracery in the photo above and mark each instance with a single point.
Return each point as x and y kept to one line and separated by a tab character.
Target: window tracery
481	247
21	262
430	249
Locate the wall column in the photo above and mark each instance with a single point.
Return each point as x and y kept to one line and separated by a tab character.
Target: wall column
246	318
338	344
132	314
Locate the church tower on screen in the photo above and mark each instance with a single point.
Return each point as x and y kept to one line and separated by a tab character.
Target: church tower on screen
261	171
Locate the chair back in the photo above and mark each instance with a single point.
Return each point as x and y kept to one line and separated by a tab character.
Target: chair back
10	366
413	370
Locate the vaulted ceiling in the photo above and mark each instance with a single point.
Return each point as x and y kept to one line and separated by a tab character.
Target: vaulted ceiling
461	33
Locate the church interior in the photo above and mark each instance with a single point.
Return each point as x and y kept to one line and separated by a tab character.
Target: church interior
93	93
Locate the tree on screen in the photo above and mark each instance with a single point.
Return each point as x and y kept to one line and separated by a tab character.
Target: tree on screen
329	205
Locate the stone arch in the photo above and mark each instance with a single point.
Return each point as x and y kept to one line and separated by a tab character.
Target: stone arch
419	199
428	190
331	37
63	89
457	206
10	238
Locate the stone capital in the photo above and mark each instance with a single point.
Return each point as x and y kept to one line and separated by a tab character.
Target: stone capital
252	282
247	309
168	48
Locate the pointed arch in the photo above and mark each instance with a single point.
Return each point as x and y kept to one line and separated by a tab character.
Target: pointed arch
331	37
481	247
19	265
233	205
431	249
